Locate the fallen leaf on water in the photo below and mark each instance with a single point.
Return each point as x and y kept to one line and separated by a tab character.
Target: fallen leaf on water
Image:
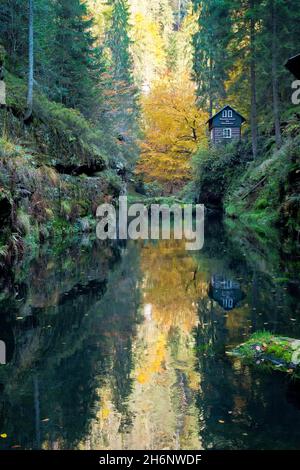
3	435
221	421
45	420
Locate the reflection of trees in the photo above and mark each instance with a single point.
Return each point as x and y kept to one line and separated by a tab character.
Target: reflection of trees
173	284
166	380
239	407
81	335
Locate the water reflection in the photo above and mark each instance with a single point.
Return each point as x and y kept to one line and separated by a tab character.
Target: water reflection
227	292
123	347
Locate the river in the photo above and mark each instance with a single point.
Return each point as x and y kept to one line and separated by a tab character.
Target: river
124	346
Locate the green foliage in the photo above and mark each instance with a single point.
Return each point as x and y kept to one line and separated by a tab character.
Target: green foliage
114	182
271	352
74	57
214	170
153	189
119	42
62	136
8	149
23	223
211	50
266	194
119	86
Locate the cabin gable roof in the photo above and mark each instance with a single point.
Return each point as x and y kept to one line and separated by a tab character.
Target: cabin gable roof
211	120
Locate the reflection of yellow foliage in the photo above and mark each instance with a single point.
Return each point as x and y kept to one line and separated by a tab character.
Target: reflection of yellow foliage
105	412
156	356
194	380
173	285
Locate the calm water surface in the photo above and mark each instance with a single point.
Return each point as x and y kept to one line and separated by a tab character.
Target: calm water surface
123	347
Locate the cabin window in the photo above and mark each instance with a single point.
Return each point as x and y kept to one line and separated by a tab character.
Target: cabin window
224	114
227	133
230	114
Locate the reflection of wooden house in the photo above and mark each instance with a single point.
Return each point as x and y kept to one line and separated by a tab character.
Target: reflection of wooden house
226	126
226	292
293	65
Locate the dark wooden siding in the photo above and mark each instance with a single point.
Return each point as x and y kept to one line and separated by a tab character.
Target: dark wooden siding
217	135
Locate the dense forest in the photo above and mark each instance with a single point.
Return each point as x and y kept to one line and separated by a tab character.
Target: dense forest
123	344
106	97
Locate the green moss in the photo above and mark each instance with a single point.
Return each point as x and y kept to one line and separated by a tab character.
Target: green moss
23	222
274	352
263	197
61	136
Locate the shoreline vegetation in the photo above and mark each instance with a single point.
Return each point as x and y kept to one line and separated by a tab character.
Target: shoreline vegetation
270	353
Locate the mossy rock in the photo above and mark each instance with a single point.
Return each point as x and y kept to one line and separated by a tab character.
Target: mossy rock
272	352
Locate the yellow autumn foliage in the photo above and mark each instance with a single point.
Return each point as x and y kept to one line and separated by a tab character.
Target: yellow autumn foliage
173	129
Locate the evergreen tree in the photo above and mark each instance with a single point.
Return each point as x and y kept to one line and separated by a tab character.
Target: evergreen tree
74	57
13	32
122	109
211	58
118	42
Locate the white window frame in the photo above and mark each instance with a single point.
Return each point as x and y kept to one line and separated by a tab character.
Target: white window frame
224	113
227	133
230	115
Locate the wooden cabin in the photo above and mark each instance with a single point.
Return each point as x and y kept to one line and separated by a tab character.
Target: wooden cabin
225	126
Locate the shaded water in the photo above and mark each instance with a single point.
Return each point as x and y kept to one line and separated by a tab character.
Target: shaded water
123	347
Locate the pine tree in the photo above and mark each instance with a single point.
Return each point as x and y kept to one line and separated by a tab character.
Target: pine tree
74	57
119	42
211	58
122	105
14	33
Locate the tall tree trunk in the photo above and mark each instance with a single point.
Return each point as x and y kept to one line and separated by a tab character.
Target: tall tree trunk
254	129
276	112
31	63
211	101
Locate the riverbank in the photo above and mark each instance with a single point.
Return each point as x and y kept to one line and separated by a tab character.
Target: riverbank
266	195
262	194
54	172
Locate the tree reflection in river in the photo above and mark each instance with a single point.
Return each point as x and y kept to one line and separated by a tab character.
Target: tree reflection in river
122	347
49	389
162	402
